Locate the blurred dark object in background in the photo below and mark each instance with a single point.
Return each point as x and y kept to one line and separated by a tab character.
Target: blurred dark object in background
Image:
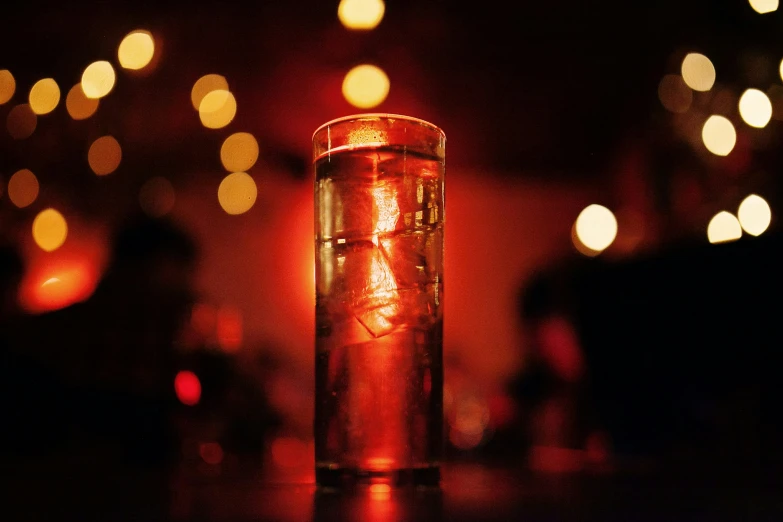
683	351
111	356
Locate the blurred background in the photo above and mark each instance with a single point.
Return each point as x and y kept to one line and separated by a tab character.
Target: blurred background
612	247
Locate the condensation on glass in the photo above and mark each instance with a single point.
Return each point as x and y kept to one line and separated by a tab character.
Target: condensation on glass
379	218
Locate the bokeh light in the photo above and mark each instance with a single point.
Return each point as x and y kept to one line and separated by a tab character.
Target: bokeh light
23	188
755	108
217	109
361	14
21	122
187	386
98	79
79	106
57	283
7	85
237	193
104	155
674	93
211	452
44	96
49	229
698	72
205	85
239	152
136	50
157	197
718	135
723	227
596	227
764	6
366	86
754	215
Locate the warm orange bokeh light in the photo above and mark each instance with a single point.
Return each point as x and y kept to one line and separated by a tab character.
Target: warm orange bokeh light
719	135
21	122
104	155
136	50
596	227
754	215
723	228
79	106
44	96
98	79
7	85
49	230
366	86
361	14
217	109
239	152
698	72
187	386
23	188
237	193
205	85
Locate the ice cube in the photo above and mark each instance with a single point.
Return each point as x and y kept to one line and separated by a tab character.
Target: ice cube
370	289
407	257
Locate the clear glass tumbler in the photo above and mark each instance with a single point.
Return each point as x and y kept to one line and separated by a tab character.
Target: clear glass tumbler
379	217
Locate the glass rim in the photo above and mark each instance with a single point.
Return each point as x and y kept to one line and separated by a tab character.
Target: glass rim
378	116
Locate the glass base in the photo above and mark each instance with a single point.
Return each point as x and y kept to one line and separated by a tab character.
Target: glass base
346	478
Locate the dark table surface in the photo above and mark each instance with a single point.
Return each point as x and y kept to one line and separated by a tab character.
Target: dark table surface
471	491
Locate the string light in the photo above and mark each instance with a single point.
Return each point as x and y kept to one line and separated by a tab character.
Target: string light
44	96
49	230
98	79
237	193
136	50
698	72
755	108
239	152
596	227
754	215
7	85
205	85
723	227
79	106
366	86
23	188
104	155
718	135
217	109
764	6
361	14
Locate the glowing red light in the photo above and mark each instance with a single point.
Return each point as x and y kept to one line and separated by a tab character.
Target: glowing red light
188	388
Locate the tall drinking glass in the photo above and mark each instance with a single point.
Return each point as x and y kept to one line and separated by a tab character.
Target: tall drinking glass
379	216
